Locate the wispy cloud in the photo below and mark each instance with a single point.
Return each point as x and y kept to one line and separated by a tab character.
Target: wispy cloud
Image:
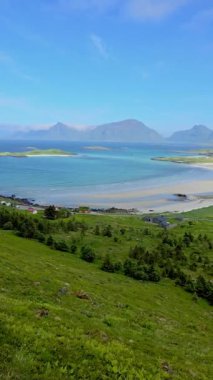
9	62
13	102
201	19
100	46
142	10
145	10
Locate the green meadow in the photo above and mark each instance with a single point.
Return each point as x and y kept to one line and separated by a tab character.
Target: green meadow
64	318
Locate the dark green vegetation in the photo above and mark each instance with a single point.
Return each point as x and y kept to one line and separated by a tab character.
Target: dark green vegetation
64	318
37	152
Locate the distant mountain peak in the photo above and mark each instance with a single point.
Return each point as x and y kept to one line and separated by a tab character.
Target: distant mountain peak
200	127
128	130
59	125
197	134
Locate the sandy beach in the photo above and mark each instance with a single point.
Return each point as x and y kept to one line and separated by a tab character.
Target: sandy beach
160	199
48	155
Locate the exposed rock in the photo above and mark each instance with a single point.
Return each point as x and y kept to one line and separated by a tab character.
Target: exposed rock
166	367
42	313
82	295
63	291
36	283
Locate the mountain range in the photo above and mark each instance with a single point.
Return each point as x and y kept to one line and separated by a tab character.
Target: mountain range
122	131
129	130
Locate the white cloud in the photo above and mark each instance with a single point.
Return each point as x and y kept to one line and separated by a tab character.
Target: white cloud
99	44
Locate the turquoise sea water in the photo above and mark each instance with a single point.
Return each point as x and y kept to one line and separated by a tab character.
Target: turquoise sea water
70	180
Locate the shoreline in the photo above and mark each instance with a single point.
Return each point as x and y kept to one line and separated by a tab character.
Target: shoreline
47	155
179	197
162	198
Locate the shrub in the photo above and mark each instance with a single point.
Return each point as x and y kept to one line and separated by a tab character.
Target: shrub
107	264
73	248
61	246
8	226
40	237
107	231
50	241
87	254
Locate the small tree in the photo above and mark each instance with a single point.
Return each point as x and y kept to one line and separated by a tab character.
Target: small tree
107	264
73	248
87	254
50	241
50	212
107	231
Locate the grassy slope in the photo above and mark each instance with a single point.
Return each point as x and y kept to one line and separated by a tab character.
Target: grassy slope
125	330
134	232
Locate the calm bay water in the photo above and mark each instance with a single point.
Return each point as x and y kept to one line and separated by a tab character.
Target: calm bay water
68	180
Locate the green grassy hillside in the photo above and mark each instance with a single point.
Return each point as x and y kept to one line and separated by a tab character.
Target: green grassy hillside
63	318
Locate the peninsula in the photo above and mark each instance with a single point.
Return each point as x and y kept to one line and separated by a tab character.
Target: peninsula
38	153
186	160
198	157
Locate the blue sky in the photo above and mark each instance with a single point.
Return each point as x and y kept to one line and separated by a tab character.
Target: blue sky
86	62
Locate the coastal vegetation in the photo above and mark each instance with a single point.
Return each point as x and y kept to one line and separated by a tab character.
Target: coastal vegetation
197	156
105	296
37	152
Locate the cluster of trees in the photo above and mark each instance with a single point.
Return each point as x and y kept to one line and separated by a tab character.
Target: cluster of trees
25	224
52	213
170	259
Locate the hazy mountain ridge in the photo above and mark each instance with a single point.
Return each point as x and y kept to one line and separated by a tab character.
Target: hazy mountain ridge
130	130
122	131
126	130
197	134
58	131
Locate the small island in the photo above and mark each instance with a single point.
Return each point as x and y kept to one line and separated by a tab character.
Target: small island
38	153
97	147
187	160
201	157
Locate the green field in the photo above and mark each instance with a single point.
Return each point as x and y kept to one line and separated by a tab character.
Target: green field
64	318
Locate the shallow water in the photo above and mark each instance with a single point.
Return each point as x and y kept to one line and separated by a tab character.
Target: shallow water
70	180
